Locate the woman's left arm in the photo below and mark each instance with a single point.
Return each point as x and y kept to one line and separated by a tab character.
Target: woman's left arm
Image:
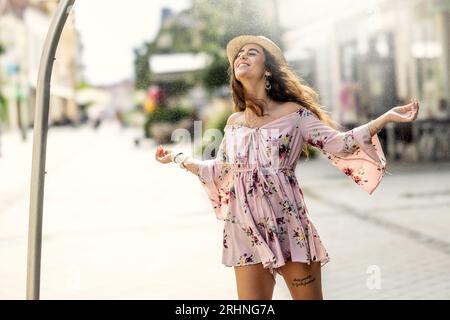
406	113
357	152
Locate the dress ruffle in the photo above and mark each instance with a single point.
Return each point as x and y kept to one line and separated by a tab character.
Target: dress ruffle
367	165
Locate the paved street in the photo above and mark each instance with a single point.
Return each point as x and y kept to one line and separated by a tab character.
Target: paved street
119	225
402	230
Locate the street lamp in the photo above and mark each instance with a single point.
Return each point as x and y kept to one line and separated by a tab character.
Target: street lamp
39	148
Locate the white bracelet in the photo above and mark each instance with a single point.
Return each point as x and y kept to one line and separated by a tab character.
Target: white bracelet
179	158
182	166
175	156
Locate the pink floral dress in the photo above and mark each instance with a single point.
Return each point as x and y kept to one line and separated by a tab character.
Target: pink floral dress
253	188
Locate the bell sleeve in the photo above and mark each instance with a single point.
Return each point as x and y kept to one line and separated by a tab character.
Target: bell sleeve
215	176
354	152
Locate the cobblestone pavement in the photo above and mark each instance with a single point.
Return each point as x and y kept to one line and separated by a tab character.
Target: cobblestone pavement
118	225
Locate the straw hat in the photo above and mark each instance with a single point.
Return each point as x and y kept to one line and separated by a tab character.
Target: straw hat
235	44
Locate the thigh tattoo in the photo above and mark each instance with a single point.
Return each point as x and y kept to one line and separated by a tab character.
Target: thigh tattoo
303	281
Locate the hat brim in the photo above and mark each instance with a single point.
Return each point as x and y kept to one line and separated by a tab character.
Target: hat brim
235	44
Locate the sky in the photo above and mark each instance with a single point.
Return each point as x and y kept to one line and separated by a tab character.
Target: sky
111	29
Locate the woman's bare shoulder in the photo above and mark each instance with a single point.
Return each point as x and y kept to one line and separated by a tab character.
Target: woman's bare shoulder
290	107
234	117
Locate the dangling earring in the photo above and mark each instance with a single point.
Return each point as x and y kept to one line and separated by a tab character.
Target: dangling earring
267	84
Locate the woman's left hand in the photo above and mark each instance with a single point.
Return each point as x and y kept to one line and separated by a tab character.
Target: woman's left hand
406	113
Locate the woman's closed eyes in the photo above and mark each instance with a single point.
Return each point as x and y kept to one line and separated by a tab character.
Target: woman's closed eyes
251	52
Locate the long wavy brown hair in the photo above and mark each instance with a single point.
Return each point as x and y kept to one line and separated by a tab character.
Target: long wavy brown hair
286	86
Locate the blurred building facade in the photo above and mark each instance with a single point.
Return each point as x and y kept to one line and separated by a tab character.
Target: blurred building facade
23	28
373	55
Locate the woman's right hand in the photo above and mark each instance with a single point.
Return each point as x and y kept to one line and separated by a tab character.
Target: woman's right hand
163	155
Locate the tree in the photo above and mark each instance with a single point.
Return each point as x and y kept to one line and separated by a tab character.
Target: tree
141	69
3	102
207	26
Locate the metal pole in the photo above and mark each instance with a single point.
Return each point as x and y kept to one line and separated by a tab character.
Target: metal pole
39	148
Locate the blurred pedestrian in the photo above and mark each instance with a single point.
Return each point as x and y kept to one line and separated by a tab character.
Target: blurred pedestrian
121	118
443	110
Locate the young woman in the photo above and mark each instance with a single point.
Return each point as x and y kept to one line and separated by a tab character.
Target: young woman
252	184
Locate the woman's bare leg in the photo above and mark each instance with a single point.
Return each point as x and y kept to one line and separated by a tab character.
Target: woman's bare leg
303	280
254	282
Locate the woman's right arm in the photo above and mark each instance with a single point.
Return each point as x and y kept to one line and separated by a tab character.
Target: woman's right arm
191	164
215	174
164	155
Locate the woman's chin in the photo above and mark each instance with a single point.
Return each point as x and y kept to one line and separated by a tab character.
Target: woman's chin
242	76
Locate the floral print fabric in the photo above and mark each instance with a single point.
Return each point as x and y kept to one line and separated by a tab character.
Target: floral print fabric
253	188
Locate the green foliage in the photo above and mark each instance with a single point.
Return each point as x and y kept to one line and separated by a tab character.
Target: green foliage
207	26
312	153
142	74
219	21
3	102
217	123
166	114
220	121
216	74
82	85
176	87
3	108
